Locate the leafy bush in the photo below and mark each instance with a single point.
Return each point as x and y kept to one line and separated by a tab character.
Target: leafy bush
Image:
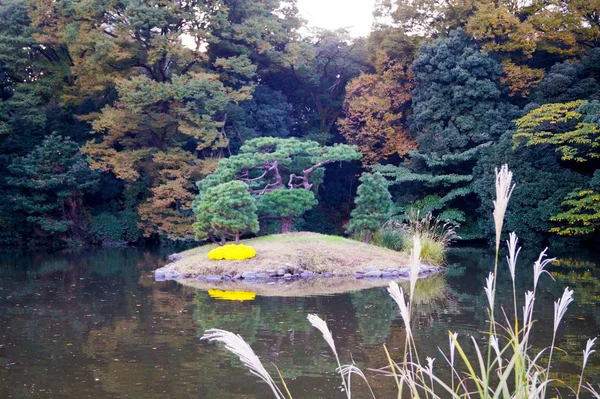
121	226
389	238
106	227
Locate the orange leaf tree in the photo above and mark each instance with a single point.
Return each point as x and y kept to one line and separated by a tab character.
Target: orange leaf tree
376	107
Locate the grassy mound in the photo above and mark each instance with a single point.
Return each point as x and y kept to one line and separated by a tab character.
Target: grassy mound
310	251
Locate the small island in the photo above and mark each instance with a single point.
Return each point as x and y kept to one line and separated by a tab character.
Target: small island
292	257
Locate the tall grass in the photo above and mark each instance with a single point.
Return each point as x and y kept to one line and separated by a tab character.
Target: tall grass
504	366
434	234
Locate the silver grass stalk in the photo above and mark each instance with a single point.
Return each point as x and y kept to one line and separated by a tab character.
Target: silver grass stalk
503	193
235	344
586	355
513	254
496	346
452	346
321	325
528	313
349	369
415	264
398	295
588	350
429	371
560	307
489	290
452	350
430	361
591	390
538	268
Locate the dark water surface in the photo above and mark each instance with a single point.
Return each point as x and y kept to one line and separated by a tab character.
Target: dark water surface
95	324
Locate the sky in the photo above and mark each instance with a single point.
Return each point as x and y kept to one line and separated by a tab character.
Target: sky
356	15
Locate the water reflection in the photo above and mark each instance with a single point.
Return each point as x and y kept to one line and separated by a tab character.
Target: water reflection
95	324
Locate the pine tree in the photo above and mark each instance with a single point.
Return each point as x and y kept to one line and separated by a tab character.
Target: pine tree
226	210
286	205
373	205
270	164
50	183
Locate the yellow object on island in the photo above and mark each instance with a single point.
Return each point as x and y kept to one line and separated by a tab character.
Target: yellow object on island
232	295
232	252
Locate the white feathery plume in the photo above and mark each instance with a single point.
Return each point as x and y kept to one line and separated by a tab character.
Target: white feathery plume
398	295
452	346
415	264
528	308
560	307
235	344
321	325
503	193
588	350
429	371
489	290
348	370
586	355
496	346
430	364
513	254
538	268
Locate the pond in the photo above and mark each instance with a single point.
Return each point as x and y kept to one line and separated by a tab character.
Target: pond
95	324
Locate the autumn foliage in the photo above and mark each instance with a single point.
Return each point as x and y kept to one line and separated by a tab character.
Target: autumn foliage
376	108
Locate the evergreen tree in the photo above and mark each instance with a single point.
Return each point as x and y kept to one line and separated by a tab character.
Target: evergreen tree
270	164
542	183
373	205
459	109
51	182
286	205
569	81
267	114
226	210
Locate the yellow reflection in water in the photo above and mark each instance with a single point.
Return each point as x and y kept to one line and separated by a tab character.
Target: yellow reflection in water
232	295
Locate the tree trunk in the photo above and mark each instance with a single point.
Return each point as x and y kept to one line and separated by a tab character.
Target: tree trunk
368	236
286	224
237	238
223	239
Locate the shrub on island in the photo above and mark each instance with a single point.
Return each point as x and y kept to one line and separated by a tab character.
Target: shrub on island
232	252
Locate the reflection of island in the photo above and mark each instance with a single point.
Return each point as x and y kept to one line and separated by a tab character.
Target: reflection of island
375	309
315	286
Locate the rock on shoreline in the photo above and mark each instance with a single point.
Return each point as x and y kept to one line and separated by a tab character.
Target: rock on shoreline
288	272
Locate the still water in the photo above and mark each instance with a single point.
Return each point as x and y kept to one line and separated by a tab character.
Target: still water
95	324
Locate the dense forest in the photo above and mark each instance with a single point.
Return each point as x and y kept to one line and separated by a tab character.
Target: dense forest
112	110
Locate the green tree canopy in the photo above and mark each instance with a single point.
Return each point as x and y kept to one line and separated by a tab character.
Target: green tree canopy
572	129
51	182
226	210
373	205
270	164
286	205
459	109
